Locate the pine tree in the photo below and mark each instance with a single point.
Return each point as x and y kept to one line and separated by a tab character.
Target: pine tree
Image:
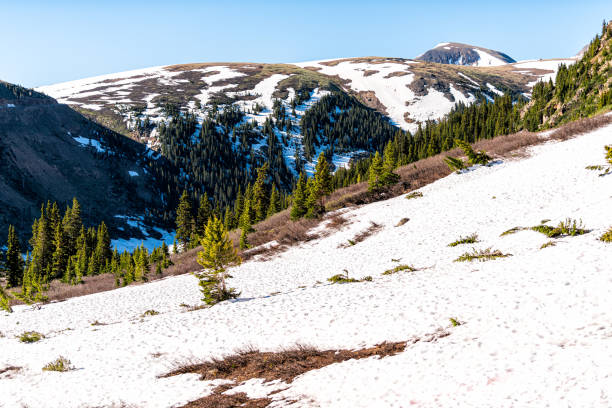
216	256
73	225
389	164
260	196
60	255
298	207
375	181
275	202
102	253
184	221
323	176
245	224
204	212
313	206
13	263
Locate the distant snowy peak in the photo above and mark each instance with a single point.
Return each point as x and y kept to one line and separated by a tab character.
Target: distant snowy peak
464	54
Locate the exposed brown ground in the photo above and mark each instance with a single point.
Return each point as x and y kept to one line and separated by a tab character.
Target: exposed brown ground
284	365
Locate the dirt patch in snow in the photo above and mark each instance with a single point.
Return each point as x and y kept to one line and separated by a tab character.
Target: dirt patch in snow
284	365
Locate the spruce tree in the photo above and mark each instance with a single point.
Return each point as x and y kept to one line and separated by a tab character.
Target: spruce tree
204	212
216	256
298	206
184	220
60	254
14	262
275	202
313	206
375	181
323	176
260	196
245	224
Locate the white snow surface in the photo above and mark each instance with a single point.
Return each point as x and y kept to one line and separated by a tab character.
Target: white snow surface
488	60
537	325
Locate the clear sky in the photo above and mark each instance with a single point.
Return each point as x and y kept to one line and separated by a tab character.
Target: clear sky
45	42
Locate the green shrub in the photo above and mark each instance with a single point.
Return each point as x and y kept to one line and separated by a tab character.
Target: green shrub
607	236
569	227
414	194
454	322
344	278
481	255
30	337
400	268
150	313
61	364
470	239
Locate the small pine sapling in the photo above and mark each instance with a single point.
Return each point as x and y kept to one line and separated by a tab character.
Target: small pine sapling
216	256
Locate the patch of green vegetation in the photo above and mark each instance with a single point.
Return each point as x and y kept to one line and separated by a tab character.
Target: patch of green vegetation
30	337
482	255
150	312
351	242
61	365
470	239
569	227
400	268
414	194
344	278
454	322
607	236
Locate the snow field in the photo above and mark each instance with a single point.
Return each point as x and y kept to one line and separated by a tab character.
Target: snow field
537	331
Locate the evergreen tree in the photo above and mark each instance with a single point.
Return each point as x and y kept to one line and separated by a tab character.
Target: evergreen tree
184	221
216	256
245	224
298	207
275	202
204	212
61	254
323	176
14	262
260	196
389	164
375	180
313	206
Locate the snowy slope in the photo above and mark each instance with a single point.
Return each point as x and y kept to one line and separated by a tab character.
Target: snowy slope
537	326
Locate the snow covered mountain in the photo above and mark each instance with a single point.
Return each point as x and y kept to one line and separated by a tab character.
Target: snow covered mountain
464	54
408	92
531	329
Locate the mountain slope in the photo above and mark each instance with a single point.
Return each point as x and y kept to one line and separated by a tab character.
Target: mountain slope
530	322
464	54
50	152
407	92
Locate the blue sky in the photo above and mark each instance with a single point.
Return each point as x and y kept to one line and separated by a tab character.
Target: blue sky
44	42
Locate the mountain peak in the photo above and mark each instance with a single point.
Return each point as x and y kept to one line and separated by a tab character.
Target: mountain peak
465	54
